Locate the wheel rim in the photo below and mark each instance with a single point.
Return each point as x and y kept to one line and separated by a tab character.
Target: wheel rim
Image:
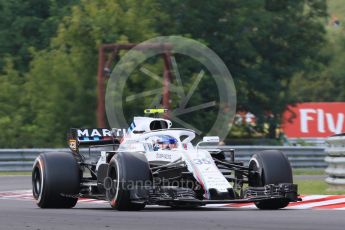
36	182
114	189
255	180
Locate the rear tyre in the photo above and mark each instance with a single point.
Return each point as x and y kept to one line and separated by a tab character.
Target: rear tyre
125	171
273	167
55	180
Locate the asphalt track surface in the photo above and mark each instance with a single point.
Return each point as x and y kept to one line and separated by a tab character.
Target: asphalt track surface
14	182
23	214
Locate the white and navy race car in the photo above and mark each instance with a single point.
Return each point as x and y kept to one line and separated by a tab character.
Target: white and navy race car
152	163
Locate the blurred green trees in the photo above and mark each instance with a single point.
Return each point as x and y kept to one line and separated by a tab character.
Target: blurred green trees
263	43
26	24
59	89
48	55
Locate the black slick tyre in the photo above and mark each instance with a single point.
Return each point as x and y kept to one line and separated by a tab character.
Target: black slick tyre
55	180
126	170
273	167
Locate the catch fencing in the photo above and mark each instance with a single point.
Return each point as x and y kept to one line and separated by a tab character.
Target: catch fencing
300	157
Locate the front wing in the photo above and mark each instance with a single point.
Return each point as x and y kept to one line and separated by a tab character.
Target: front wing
252	194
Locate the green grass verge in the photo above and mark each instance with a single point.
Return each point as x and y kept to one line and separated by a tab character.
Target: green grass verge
15	173
307	171
315	187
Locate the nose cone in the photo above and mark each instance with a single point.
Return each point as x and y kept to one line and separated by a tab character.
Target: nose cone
217	195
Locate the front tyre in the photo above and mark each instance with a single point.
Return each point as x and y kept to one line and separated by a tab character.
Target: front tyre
127	172
273	167
55	180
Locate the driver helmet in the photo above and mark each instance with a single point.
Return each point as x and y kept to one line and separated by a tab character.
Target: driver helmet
165	142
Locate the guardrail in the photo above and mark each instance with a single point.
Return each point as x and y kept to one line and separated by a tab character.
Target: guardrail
336	162
20	159
300	157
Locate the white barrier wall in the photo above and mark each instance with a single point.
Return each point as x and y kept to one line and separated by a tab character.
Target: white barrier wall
300	157
336	161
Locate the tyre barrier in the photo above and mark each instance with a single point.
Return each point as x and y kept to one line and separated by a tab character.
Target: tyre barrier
335	158
299	156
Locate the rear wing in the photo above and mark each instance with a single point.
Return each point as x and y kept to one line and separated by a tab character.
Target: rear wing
97	136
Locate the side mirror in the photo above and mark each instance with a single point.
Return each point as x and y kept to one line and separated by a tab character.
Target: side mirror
210	139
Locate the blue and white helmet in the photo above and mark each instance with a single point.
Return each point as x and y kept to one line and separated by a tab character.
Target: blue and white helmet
165	139
163	142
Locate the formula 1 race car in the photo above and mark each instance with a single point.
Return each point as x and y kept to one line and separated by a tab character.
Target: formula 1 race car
151	163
